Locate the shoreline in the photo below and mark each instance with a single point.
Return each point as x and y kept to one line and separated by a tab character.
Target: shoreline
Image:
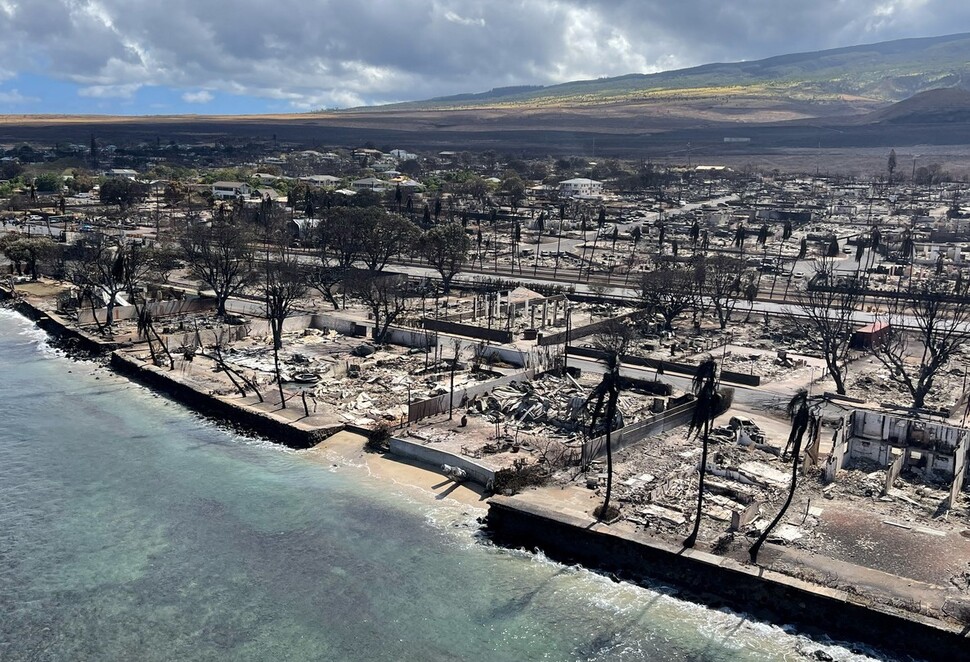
514	522
348	448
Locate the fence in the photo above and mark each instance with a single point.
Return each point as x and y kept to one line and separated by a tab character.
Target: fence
467	330
587	330
666	366
632	434
157	309
441	403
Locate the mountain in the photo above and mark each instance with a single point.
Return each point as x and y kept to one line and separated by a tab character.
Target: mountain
856	77
877	96
940	106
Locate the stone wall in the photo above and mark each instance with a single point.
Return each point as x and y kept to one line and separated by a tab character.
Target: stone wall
768	595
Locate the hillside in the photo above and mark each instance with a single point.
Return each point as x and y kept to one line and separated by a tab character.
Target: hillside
949	105
863	76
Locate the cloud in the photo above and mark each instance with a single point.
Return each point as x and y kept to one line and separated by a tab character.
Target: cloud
121	91
202	96
335	53
14	97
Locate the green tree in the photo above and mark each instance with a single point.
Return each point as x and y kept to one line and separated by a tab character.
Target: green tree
383	236
26	251
49	182
122	192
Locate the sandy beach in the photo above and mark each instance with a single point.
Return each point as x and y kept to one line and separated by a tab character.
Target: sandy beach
348	448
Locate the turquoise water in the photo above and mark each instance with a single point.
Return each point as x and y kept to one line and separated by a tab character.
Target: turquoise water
131	529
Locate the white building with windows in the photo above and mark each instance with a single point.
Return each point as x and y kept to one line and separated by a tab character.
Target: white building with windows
580	187
230	190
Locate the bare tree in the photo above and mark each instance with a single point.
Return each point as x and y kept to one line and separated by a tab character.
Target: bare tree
387	297
446	247
722	285
668	291
221	257
97	267
797	410
283	284
708	405
826	309
938	316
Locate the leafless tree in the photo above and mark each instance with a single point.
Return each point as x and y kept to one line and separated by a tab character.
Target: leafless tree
97	266
669	291
283	284
614	341
387	296
801	418
710	403
221	257
938	316
722	284
826	308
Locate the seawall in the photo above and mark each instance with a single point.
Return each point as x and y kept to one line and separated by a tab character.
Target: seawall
282	431
716	580
63	333
435	457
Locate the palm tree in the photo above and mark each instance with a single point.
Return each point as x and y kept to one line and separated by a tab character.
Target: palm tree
613	342
797	410
609	390
706	408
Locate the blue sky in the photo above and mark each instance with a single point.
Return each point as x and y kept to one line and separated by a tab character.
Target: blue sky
32	93
244	56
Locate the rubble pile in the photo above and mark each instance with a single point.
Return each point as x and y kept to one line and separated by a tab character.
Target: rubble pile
657	482
360	382
871	381
558	406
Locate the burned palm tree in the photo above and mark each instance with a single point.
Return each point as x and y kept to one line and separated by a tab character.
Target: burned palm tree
739	236
613	342
797	410
706	408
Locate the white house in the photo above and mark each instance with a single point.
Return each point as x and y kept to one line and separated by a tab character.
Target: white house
369	184
402	154
580	187
230	190
327	181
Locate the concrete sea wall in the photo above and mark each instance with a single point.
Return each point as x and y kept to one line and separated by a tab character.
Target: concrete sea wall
717	580
261	422
436	457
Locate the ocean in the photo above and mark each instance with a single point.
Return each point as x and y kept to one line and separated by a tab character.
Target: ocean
131	528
